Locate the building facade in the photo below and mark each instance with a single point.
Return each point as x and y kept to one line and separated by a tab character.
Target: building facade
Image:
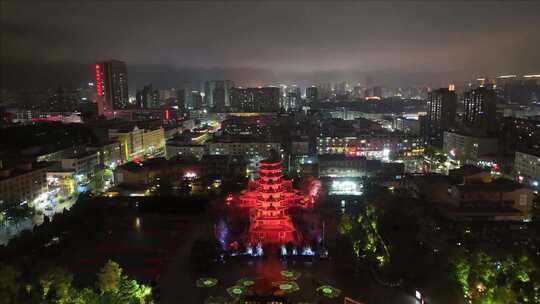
468	148
527	165
111	86
25	182
441	109
480	109
265	99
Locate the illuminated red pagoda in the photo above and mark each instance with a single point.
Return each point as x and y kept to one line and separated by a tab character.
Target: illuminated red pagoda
269	198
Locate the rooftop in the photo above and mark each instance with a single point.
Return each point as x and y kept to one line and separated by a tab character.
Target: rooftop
497	185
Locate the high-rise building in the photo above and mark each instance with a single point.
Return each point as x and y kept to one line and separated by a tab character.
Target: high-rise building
147	98
312	94
217	94
262	99
111	86
292	98
324	90
377	92
197	100
358	91
441	108
480	109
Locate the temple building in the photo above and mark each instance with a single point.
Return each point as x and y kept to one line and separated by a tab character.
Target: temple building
269	197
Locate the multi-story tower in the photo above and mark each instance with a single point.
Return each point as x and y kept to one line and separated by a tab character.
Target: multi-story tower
480	109
111	86
441	110
270	221
269	198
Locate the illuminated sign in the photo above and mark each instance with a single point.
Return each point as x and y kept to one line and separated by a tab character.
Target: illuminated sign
99	88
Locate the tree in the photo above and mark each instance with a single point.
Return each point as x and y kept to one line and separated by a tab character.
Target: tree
9	283
109	278
56	284
496	278
345	225
133	292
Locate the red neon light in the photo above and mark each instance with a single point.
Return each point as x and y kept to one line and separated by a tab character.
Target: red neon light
167	114
99	89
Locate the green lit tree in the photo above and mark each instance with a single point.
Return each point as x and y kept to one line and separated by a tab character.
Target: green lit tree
133	292
109	278
345	225
505	277
55	285
362	230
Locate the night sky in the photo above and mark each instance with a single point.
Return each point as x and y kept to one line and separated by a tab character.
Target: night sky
396	43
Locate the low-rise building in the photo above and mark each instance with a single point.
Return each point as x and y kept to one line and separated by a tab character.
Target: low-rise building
248	147
372	146
527	165
83	164
347	166
175	148
24	182
300	146
468	148
109	154
139	143
226	167
150	171
469	174
498	195
153	141
407	125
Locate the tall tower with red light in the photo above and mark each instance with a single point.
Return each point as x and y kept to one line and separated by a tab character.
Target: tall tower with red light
269	198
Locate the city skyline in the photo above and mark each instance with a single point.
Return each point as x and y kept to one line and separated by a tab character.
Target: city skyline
398	44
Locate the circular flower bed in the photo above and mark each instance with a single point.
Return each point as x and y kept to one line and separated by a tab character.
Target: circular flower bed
206	282
245	282
290	275
237	291
329	291
288	287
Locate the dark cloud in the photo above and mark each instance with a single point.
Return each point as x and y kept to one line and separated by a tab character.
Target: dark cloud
399	43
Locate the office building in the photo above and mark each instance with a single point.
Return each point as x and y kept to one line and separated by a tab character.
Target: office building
111	86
